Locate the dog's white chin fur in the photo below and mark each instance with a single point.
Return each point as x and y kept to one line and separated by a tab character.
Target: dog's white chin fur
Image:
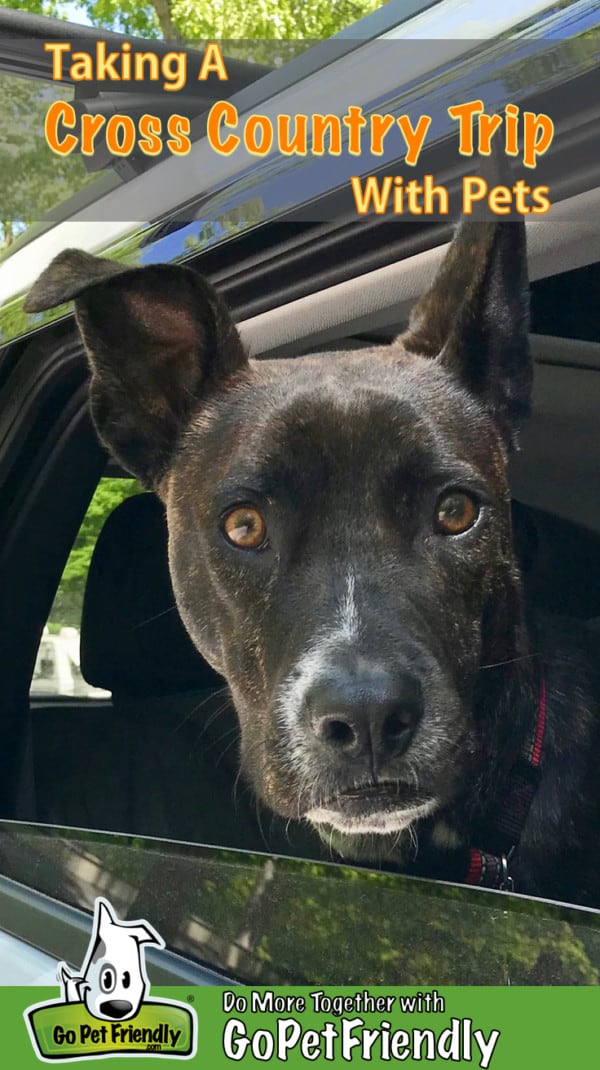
378	824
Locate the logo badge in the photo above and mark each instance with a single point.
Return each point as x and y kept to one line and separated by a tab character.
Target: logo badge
105	1009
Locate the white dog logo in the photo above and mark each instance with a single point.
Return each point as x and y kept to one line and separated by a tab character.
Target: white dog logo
113	980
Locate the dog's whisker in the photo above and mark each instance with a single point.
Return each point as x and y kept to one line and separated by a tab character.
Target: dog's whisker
509	661
192	713
256	743
239	785
414	839
206	744
259	822
331	844
199	737
157	616
397	839
226	750
230	732
214	716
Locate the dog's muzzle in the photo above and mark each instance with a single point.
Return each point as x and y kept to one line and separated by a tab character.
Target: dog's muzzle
349	721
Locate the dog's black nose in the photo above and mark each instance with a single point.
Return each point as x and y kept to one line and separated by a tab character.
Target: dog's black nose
366	717
116	1008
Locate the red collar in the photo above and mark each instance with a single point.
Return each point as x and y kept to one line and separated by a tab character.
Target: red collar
491	869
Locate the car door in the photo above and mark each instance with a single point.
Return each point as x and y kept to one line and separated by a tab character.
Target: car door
294	283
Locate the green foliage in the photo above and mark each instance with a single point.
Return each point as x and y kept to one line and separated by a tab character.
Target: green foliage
125	16
191	20
39	7
66	610
221	20
13	321
266	19
34	179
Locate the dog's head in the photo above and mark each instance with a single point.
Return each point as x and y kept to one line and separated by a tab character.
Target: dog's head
339	525
113	982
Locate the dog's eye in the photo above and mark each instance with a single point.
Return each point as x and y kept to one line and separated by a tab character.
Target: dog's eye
245	527
455	513
108	979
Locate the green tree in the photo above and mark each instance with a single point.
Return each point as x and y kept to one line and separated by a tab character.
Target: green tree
66	610
192	20
39	7
34	179
197	20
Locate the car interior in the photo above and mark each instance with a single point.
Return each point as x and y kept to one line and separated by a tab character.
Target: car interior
159	757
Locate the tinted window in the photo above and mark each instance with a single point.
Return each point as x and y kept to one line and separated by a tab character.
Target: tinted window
274	920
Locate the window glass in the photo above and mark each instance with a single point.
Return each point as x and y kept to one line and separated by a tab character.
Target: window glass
34	179
37	180
57	669
280	920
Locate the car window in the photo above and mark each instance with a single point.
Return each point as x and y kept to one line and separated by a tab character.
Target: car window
35	178
39	183
57	668
271	920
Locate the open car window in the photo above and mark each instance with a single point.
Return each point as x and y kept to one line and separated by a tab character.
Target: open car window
57	669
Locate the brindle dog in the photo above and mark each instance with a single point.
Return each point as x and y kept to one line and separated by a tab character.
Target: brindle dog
341	551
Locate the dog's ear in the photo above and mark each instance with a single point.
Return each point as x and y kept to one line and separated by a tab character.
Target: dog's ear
159	339
475	319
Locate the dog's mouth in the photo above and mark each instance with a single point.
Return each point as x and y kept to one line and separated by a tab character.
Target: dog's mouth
368	797
378	808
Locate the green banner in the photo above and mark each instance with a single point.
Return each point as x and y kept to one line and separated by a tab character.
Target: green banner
500	1028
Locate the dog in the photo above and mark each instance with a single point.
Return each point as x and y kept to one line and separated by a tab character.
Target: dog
341	552
113	980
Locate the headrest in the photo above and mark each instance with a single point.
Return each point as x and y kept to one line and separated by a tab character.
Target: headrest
133	642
